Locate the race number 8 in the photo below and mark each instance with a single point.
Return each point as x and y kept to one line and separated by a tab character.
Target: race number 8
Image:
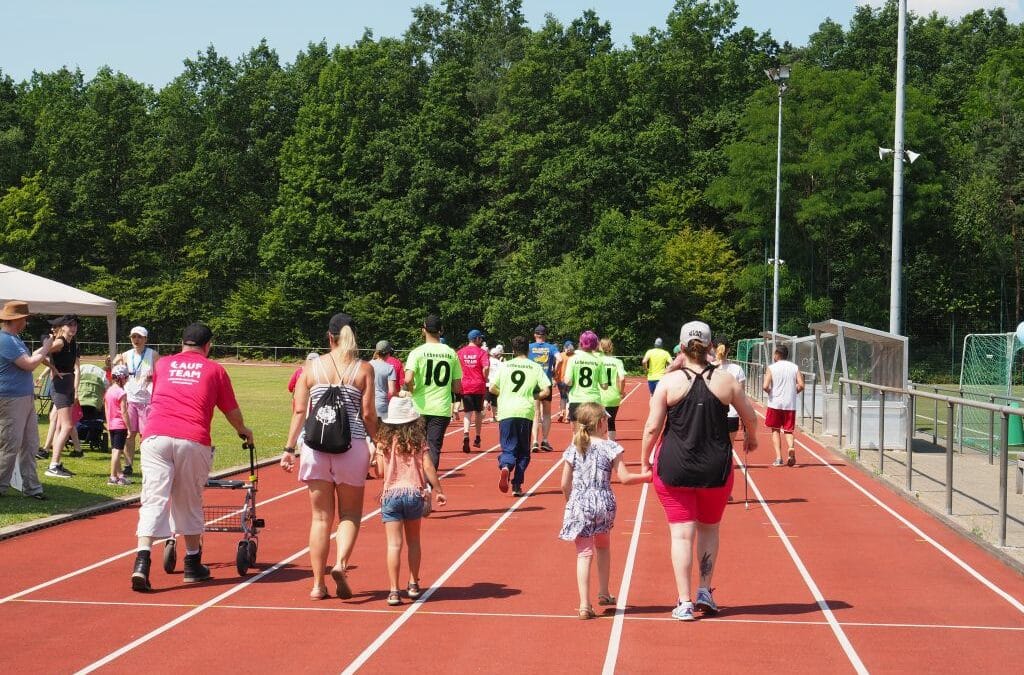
437	373
586	376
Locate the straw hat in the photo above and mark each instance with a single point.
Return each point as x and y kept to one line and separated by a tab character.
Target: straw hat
13	310
401	411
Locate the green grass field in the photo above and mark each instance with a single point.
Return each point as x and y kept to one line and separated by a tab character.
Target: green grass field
262	393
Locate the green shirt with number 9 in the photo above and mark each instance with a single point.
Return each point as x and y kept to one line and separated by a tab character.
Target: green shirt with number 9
518	381
435	367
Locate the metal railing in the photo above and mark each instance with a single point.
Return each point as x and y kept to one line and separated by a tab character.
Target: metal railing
951	405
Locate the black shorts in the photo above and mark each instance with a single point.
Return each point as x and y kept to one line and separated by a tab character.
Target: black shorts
546	398
118	438
472	402
612	412
435	430
733	424
572	411
492	399
62	392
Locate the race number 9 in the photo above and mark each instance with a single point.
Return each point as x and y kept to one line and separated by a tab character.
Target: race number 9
518	378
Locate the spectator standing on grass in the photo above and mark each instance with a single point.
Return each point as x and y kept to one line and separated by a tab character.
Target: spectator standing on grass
177	452
782	382
519	386
19	428
115	405
655	362
692	460
335	477
433	375
141	363
406	468
298	373
66	362
589	501
475	363
544	354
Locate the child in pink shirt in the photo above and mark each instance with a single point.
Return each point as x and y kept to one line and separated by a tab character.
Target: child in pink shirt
405	466
115	402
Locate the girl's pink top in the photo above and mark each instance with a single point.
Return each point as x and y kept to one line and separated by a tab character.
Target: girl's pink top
112	404
403	471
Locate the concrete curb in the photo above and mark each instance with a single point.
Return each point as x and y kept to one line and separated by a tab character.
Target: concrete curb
111	505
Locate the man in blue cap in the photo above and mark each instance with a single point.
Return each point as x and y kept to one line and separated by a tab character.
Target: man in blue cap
544	354
475	363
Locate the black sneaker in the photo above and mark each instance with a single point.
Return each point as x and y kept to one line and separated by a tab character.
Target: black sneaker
58	471
195	570
39	495
140	573
76	453
42	454
128	470
465	443
535	448
546	447
476	442
517	492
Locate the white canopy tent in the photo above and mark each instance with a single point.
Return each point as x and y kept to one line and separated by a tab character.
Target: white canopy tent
45	296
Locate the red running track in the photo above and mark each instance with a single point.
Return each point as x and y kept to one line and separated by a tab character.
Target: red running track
826	571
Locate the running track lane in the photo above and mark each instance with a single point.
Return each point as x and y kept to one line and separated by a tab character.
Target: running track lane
748	571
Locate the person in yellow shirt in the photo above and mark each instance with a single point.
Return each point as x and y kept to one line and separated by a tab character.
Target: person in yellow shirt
655	362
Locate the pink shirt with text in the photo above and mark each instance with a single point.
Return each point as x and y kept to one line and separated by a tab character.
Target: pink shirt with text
186	389
112	405
474	359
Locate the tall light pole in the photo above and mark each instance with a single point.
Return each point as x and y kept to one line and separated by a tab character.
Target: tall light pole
896	271
780	76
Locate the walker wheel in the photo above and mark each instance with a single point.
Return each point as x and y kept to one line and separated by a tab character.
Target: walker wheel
251	548
170	555
242	558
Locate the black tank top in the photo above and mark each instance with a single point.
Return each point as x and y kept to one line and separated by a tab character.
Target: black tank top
64	360
696	451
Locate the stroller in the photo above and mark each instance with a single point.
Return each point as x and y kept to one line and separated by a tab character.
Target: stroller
92	385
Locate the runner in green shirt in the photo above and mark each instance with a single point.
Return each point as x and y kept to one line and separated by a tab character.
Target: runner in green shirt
520	383
615	375
655	361
585	374
432	373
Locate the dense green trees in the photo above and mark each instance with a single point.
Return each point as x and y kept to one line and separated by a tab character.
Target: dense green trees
504	175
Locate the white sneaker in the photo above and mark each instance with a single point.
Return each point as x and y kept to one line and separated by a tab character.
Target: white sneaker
683	611
705	602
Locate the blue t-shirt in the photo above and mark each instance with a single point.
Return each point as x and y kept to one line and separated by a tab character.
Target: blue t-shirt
544	355
14	381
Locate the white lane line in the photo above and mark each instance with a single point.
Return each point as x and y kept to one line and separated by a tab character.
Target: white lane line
125	554
844	641
236	589
627	577
520	615
916	530
415	607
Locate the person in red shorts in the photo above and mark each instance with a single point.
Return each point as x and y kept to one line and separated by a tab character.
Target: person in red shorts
476	362
782	382
692	463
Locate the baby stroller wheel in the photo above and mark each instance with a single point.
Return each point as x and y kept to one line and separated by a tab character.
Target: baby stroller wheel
242	558
251	548
170	555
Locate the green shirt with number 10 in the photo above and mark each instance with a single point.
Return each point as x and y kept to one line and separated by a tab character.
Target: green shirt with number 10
434	366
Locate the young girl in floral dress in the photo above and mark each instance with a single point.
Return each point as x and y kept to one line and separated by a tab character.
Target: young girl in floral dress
589	501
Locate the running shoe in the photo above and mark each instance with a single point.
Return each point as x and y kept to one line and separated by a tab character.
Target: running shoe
476	442
503	479
128	470
546	447
465	443
778	462
517	492
683	612
705	602
791	461
140	572
42	454
120	480
58	471
535	448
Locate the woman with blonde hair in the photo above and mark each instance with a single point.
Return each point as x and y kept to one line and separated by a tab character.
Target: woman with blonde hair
615	375
734	369
335	478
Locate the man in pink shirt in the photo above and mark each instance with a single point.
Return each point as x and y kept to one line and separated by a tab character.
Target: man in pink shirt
177	453
475	363
399	368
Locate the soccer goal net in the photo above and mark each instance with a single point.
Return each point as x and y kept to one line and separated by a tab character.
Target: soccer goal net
992	371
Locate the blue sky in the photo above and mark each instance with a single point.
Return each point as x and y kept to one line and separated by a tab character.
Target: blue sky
148	39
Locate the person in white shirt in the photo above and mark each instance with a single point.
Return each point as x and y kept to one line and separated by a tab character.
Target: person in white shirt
140	361
734	369
782	382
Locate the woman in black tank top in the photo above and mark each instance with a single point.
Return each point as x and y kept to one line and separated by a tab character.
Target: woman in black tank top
693	461
64	391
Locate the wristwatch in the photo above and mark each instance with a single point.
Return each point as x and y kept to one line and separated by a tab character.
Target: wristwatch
290	451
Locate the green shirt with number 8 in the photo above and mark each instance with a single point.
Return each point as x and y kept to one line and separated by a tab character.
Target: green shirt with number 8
435	367
585	377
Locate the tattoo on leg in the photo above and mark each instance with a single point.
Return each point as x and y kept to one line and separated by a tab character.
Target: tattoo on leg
706	565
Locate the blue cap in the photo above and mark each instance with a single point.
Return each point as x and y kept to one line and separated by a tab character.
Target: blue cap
568	345
474	334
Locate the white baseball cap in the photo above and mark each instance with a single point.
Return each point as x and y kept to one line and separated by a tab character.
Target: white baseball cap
695	330
139	330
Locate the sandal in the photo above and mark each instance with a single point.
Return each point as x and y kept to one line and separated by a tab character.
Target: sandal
394	599
587	613
605	600
413	590
344	591
319	593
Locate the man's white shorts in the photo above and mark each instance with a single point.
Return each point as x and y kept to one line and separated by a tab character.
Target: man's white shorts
174	473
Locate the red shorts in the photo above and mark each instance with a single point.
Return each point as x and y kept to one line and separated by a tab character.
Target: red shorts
685	505
780	419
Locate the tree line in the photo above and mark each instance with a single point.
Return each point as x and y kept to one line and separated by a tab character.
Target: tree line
503	176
